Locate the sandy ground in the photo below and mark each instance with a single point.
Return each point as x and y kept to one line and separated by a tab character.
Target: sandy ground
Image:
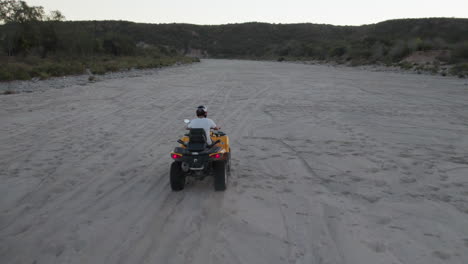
330	165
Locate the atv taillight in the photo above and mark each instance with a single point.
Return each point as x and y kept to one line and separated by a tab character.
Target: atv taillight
216	156
176	156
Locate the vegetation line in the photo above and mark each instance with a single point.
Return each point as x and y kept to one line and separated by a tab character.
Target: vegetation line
35	67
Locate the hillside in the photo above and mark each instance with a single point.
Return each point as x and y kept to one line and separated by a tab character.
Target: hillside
395	38
388	42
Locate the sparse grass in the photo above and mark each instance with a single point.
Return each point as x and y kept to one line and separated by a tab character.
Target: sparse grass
33	67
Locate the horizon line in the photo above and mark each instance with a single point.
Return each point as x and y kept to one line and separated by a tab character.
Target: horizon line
262	22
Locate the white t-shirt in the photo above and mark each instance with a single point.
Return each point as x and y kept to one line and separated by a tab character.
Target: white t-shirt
204	123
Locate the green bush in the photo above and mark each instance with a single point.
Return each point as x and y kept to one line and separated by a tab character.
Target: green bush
112	67
338	51
405	65
460	70
23	75
20	71
40	73
6	75
460	52
98	69
55	70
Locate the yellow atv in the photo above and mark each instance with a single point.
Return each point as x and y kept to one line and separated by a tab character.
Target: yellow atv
195	158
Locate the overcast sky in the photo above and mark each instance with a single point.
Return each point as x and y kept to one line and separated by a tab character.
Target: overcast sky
337	12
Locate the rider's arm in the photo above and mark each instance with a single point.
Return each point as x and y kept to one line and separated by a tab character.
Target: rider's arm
214	126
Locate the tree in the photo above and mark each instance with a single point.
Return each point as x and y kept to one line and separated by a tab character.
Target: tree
7	10
56	16
13	11
49	38
27	28
119	45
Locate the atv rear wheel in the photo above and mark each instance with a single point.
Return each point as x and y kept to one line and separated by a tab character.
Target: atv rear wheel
220	175
177	177
229	161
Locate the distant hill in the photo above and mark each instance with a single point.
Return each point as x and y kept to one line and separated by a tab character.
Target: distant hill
388	42
263	39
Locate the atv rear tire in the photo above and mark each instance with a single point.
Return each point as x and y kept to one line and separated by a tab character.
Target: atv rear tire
177	177
229	161
220	175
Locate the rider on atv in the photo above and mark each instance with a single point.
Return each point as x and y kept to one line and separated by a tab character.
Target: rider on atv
202	122
201	153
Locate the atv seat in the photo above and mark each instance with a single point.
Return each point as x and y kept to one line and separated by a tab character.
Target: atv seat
197	140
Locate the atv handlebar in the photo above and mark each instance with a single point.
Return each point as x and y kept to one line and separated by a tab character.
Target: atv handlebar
214	143
181	142
217	133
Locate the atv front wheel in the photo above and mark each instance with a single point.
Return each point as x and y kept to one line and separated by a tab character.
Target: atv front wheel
177	177
220	175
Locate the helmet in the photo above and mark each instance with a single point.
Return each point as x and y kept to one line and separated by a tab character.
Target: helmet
202	111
